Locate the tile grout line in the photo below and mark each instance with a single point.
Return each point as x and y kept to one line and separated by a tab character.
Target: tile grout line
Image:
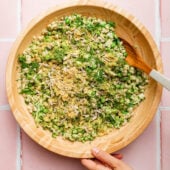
7	39
165	39
19	16
161	165
5	107
157	23
158	140
18	153
158	119
164	108
19	140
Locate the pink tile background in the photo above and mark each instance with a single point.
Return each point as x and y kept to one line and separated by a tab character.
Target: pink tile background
44	159
8	142
134	7
165	139
8	18
165	51
36	9
137	153
150	151
165	16
142	10
4	51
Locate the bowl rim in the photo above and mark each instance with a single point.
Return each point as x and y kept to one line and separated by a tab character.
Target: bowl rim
75	3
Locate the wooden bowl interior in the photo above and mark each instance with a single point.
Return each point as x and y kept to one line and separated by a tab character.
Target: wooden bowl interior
127	28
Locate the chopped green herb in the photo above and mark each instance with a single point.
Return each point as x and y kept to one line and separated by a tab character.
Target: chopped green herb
75	80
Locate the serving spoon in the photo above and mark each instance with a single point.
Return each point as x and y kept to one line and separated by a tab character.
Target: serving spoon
135	60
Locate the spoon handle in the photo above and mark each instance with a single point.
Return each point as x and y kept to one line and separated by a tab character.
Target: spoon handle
164	81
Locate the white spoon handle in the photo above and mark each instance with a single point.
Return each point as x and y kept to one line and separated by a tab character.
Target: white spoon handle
164	81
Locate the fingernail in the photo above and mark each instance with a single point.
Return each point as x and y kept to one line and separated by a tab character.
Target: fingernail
95	150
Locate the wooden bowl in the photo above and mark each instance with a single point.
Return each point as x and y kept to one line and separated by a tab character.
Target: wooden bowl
128	28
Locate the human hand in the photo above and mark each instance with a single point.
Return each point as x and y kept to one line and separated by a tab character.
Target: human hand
104	161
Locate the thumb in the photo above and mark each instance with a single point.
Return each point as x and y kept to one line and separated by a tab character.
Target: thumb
106	158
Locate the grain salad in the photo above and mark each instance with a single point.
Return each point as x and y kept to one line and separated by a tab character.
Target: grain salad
75	80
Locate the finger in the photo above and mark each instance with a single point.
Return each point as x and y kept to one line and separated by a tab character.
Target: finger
101	165
106	158
89	164
94	165
117	155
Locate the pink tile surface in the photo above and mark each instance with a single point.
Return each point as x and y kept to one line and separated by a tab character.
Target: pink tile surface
141	154
165	139
36	9
5	48
135	154
165	18
165	51
142	10
36	157
8	18
8	145
134	7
